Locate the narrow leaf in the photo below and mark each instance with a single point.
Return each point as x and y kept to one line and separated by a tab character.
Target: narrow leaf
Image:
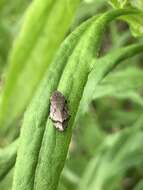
102	67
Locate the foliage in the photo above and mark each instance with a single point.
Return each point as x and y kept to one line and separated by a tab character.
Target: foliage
97	66
135	21
23	57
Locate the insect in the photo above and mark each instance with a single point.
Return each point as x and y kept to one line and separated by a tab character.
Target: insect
59	112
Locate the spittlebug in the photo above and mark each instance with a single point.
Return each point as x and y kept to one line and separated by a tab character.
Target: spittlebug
59	112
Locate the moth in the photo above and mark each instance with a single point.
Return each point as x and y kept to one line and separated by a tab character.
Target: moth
59	112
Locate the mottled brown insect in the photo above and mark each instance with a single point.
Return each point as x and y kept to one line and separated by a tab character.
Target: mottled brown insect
59	112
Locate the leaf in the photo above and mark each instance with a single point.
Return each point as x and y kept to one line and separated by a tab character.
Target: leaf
135	21
32	53
37	118
101	69
138	4
10	20
118	154
44	157
130	81
139	185
7	158
6	183
117	99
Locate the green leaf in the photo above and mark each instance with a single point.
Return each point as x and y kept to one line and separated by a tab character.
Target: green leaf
139	185
41	100
10	21
136	22
117	99
32	53
7	158
138	4
101	69
130	82
6	183
118	154
43	156
118	3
